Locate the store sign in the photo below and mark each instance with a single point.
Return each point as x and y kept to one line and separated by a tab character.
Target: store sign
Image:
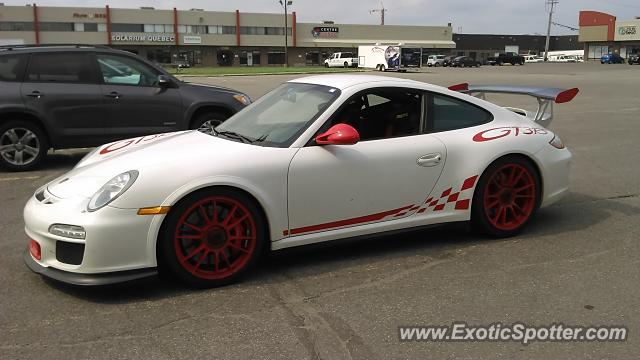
190	39
628	30
325	32
89	16
137	38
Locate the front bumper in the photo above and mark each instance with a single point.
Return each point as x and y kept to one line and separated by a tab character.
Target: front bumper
117	246
86	279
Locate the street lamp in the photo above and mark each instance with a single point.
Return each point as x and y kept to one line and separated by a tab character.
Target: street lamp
286	39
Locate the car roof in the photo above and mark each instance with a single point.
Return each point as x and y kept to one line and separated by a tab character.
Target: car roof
343	81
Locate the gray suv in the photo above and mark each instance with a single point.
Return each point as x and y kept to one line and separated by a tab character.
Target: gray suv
71	96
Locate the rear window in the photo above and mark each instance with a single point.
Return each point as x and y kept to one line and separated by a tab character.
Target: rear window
346	55
12	67
446	113
60	67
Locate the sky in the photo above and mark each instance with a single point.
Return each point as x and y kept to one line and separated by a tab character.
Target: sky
478	17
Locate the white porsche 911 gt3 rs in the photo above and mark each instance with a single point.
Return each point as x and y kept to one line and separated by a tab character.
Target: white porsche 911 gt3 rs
317	159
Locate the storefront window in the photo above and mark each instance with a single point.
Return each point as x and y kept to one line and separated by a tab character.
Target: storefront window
16	26
159	56
56	26
275	58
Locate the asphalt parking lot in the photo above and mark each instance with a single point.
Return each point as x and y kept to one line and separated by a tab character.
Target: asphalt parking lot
576	264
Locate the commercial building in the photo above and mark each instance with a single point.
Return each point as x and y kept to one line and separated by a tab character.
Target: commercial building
482	46
205	37
603	34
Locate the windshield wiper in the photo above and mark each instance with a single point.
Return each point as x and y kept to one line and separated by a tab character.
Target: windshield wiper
233	135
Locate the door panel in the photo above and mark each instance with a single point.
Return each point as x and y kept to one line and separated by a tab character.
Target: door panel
339	186
63	89
135	104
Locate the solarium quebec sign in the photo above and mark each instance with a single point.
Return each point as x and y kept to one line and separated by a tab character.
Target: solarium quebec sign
137	38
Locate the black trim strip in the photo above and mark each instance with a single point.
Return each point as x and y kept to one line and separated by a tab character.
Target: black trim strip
87	279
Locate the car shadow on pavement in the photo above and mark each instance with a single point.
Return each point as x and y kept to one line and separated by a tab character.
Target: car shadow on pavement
438	242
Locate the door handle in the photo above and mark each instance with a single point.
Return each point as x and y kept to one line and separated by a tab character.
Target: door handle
429	160
36	94
114	95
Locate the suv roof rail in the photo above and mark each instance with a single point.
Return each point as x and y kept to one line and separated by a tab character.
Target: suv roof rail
26	46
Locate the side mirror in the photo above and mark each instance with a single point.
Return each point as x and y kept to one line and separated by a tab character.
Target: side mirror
339	134
164	81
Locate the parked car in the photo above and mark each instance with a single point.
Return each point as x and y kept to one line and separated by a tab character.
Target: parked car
532	59
83	96
464	61
317	159
448	59
435	60
634	59
506	58
566	59
341	59
611	59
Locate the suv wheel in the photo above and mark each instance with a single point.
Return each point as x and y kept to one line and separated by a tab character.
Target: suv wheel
23	145
208	121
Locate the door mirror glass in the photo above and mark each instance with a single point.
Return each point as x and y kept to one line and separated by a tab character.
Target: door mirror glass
339	134
163	81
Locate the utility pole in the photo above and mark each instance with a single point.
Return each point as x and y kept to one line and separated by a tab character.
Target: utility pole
382	10
546	45
286	32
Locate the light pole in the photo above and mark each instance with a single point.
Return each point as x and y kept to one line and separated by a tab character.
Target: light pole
286	39
546	45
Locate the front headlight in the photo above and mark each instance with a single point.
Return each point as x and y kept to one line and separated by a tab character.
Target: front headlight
243	99
112	190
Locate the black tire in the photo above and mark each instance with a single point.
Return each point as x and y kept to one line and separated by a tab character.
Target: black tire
326	65
346	64
214	118
480	213
22	138
381	67
436	65
206	267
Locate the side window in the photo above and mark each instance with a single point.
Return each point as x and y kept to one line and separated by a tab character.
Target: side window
12	67
68	67
122	70
447	113
382	113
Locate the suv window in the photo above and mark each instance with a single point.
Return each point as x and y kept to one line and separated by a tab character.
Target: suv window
123	70
346	55
12	67
68	67
382	113
446	113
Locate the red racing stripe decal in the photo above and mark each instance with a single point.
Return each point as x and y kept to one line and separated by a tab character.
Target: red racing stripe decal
347	222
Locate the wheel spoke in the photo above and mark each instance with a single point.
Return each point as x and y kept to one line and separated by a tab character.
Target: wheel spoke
193	227
11	133
216	261
204	256
523	188
492	204
6	148
229	215
31	151
238	247
28	135
17	158
203	212
195	252
191	237
226	259
238	221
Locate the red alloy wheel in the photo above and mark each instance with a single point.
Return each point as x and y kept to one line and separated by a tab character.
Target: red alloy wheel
215	238
509	197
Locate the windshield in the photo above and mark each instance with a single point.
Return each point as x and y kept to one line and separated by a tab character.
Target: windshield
280	116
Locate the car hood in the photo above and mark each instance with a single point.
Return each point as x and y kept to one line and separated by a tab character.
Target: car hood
153	155
210	87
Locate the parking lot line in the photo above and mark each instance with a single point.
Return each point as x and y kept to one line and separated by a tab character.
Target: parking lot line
20	178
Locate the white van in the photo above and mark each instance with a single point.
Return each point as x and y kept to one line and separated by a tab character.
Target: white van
435	60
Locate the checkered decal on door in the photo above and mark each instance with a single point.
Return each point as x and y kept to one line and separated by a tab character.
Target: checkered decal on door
461	200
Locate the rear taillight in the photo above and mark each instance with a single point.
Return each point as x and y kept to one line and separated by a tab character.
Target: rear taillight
34	249
556	142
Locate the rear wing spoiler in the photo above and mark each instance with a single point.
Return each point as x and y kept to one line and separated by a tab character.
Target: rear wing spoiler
546	97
